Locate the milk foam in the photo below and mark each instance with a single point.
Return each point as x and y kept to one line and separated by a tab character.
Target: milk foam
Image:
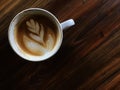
34	40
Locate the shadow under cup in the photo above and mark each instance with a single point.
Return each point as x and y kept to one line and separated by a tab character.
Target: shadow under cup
31	12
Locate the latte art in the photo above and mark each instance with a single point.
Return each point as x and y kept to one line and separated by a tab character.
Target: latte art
37	34
35	37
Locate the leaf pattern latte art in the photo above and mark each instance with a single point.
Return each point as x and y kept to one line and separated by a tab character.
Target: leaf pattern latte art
35	42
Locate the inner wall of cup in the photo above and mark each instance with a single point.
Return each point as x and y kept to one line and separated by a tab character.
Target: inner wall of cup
53	19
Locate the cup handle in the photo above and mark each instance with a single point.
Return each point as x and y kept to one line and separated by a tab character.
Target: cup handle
66	24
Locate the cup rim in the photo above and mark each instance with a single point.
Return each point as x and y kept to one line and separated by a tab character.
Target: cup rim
35	59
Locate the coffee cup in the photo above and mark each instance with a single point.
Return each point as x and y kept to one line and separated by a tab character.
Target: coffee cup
35	34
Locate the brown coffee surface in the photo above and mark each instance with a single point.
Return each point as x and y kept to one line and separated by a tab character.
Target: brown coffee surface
36	35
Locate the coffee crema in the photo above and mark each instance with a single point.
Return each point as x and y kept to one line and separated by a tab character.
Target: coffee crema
36	35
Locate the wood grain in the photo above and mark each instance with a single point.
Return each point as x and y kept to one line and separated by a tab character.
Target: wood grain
89	58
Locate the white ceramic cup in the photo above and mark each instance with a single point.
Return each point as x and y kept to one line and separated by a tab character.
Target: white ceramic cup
60	27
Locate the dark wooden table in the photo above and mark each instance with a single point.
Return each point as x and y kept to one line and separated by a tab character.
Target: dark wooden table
89	58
